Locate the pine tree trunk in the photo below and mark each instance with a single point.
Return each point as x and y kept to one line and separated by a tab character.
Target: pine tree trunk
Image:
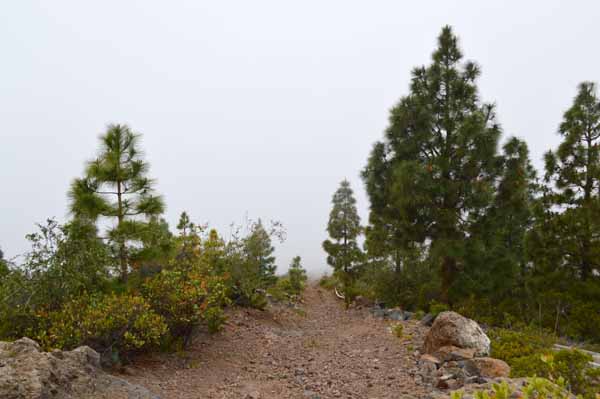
122	254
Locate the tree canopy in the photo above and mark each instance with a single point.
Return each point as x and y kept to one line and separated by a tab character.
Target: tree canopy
433	175
115	186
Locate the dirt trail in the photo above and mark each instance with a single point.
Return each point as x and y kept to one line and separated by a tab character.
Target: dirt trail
320	351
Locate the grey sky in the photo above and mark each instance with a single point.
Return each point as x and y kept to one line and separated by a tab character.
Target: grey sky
257	107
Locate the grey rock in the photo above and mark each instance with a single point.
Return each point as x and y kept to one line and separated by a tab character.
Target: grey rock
29	373
428	319
395	314
452	329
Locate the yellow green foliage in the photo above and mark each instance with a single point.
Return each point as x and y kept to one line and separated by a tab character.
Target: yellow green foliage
328	282
536	388
512	344
296	277
570	366
530	353
115	323
398	330
292	284
436	308
281	290
419	314
184	300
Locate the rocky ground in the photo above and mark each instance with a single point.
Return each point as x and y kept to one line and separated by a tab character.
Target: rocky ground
318	350
27	372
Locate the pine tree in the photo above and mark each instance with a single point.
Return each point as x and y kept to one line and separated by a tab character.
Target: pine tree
297	275
434	173
214	252
344	254
511	214
3	265
496	259
188	241
115	187
573	174
156	249
259	251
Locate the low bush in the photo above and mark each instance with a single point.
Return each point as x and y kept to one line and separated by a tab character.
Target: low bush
435	308
574	366
186	300
508	345
398	330
292	284
536	388
280	291
418	315
530	353
584	322
114	325
328	281
296	277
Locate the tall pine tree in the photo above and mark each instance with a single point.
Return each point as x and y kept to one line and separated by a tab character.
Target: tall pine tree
495	261
573	174
116	187
343	252
434	172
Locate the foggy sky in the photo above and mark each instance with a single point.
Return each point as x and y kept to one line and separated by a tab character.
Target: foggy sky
257	107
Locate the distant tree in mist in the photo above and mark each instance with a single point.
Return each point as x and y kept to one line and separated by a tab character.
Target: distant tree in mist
343	252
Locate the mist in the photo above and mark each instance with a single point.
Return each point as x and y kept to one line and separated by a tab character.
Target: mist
257	109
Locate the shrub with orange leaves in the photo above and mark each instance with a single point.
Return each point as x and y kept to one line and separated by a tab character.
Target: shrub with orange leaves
186	300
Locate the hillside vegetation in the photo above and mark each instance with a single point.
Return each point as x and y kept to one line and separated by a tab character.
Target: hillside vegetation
455	222
459	219
134	286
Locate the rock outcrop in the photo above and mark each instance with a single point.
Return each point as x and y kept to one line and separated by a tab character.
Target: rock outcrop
452	329
487	367
455	354
26	372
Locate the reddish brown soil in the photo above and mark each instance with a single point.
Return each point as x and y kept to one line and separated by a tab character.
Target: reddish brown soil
319	351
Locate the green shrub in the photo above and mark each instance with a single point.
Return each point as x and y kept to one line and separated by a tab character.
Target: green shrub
398	330
584	322
419	314
328	281
541	388
114	325
292	284
436	308
536	388
296	277
257	300
528	366
17	315
530	353
184	300
280	291
508	345
361	288
574	366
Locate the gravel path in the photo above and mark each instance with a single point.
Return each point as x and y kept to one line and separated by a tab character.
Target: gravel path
317	351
